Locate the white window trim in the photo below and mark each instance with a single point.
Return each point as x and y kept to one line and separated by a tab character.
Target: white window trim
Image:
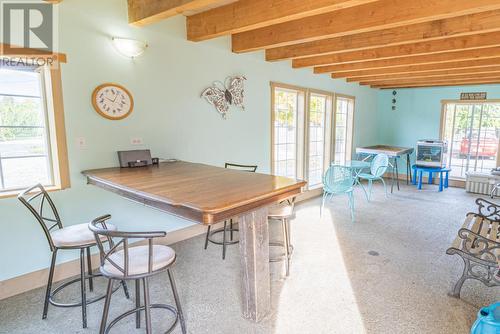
302	167
56	134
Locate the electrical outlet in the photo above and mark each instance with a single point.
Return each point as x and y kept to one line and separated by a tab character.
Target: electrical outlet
81	142
136	141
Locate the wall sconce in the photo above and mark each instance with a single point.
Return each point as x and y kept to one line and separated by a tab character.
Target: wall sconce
130	48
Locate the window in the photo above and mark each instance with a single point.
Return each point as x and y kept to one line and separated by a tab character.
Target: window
302	133
472	131
288	105
318	109
32	150
344	123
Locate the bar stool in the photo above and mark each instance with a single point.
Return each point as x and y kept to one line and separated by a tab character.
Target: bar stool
138	263
225	229
283	212
78	237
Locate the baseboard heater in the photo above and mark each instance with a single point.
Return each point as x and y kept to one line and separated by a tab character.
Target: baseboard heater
481	183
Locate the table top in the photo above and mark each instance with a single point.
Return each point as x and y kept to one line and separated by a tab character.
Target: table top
198	192
432	169
392	151
355	164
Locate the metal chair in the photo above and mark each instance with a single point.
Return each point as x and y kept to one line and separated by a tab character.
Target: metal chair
338	180
225	229
122	262
283	212
378	167
78	237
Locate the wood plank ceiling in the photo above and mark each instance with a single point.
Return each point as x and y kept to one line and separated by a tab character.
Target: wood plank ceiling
381	43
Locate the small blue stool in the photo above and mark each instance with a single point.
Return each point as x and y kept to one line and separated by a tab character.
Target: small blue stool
443	175
488	320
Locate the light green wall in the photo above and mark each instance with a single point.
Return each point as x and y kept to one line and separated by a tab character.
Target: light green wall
418	112
169	115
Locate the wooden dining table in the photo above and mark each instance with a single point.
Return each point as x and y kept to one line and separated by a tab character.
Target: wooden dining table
208	195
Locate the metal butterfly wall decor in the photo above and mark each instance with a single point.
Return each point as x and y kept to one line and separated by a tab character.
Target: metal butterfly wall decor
224	94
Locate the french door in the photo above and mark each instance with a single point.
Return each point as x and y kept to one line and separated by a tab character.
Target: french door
472	131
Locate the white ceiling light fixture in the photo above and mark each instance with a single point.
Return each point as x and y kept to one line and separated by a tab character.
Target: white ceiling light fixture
128	47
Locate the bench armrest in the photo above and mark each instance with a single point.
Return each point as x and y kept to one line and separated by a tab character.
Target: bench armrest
478	246
488	210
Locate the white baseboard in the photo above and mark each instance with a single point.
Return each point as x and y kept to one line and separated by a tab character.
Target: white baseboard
36	279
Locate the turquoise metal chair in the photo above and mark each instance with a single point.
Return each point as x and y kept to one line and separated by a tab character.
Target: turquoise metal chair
338	180
378	167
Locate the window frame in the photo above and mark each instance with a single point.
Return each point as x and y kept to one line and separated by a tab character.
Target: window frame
55	123
328	132
302	165
442	125
349	134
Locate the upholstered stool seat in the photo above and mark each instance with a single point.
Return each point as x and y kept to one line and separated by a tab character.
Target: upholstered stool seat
280	211
138	264
75	236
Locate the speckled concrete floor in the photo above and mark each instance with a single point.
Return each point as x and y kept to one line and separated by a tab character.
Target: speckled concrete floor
385	273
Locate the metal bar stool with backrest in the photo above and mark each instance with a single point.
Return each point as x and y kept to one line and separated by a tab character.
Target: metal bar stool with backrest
225	229
283	212
122	262
74	237
378	168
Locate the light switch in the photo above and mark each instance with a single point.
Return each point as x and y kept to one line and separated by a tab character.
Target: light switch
81	142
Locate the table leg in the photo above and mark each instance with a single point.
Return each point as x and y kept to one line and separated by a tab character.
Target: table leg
414	177
393	178
446	180
419	179
430	177
397	171
441	181
408	168
254	257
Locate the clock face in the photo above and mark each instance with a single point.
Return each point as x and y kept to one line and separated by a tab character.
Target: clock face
112	101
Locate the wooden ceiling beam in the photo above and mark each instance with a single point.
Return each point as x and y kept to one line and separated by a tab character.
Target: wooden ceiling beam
377	15
434	84
493	52
492	75
435	74
143	12
440	46
465	64
427	31
246	15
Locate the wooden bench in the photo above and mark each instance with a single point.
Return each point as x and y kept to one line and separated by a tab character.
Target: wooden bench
478	244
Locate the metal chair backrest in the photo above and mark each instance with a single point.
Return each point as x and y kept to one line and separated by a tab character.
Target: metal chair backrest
379	164
99	228
245	168
36	199
338	179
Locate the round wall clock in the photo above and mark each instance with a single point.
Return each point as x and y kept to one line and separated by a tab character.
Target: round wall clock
112	101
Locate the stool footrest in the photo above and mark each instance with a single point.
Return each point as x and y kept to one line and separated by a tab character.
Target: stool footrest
66	284
230	242
133	311
281	257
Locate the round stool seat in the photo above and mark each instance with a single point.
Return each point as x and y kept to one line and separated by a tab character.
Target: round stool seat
280	211
138	261
75	236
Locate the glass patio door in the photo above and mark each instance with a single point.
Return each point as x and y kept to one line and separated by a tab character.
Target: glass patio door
472	131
